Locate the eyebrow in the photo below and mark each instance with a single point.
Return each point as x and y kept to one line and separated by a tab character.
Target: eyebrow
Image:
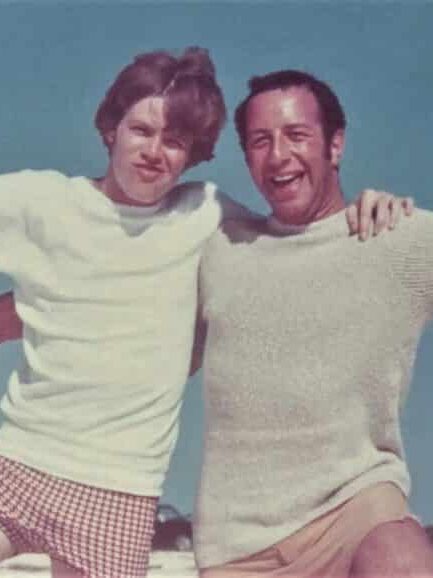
291	126
166	130
139	122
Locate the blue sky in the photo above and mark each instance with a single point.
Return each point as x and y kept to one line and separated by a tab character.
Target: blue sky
57	59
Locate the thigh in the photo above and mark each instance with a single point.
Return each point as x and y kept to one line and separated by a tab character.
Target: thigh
325	547
7	550
397	549
258	565
106	534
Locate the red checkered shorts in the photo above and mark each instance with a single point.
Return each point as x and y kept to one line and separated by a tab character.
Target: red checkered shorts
101	533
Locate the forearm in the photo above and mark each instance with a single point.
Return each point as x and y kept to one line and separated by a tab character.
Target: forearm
10	324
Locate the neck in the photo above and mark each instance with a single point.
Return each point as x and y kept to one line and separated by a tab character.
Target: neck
109	187
334	203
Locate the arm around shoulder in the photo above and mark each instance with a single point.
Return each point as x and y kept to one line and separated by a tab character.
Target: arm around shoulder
198	346
232	209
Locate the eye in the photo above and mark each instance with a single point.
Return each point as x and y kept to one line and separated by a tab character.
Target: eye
175	142
141	130
257	141
297	135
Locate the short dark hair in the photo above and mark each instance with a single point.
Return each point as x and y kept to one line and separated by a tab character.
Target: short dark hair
194	101
331	111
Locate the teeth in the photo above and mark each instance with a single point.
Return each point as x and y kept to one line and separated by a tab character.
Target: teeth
285	179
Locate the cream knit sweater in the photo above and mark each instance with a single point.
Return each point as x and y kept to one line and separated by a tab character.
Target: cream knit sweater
311	341
107	294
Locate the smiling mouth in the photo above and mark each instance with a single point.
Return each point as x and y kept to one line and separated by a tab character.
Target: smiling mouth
290	181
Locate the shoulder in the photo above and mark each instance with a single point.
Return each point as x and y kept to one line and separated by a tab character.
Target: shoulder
195	193
28	192
32	182
409	249
239	232
30	177
421	218
414	230
207	194
197	200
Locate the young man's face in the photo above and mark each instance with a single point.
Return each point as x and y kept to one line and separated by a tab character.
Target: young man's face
288	158
146	158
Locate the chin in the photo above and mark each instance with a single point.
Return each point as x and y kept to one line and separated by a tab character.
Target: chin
292	213
285	215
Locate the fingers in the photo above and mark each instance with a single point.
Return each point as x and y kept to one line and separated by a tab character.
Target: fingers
367	212
408	205
386	213
352	218
395	208
374	211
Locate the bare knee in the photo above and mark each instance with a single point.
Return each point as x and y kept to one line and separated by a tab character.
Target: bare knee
394	549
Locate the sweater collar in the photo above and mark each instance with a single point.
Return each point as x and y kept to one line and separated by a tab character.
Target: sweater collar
333	222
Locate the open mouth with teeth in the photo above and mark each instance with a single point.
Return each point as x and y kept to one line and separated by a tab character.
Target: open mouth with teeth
286	179
291	180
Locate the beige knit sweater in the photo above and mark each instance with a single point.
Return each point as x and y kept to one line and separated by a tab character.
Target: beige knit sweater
311	341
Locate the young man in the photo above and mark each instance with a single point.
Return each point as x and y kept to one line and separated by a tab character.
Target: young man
105	277
309	351
105	285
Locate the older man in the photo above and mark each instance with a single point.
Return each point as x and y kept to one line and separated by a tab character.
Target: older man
310	342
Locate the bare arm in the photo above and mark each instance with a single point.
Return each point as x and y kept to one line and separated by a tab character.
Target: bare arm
10	324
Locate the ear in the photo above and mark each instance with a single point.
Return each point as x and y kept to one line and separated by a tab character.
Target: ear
337	148
108	138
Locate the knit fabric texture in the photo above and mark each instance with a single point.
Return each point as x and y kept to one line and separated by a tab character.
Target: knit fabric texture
107	294
311	341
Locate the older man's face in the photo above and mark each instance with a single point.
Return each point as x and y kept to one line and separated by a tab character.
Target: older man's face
288	158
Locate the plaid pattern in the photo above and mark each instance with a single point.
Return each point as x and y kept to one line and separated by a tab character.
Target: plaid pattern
101	533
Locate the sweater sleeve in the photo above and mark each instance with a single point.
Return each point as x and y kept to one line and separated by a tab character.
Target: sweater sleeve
14	195
231	209
414	262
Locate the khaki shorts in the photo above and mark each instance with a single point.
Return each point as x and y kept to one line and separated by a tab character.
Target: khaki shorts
325	547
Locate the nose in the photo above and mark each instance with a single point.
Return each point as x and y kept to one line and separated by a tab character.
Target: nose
280	150
152	149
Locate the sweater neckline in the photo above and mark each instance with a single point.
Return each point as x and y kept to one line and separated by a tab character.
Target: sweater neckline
333	223
143	212
133	210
